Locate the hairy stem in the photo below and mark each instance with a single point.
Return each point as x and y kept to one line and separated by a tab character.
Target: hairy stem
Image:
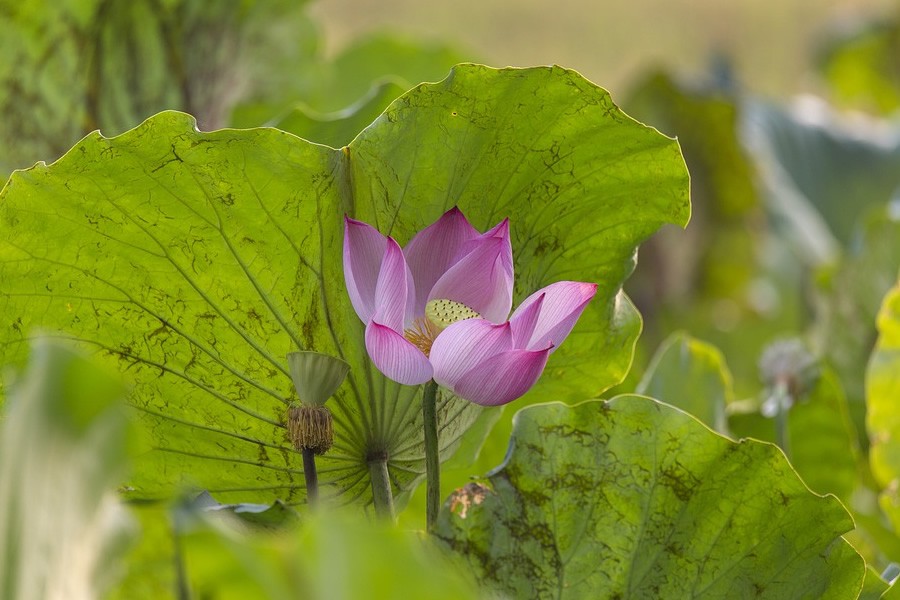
312	477
381	487
432	455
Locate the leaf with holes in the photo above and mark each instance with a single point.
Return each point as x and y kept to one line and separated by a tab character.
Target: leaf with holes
636	499
197	261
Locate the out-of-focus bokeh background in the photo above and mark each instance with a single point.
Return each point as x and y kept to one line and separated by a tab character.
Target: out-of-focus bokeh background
786	112
770	42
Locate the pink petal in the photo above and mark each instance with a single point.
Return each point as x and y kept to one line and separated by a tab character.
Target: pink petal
524	321
395	356
464	345
394	289
364	249
503	377
501	230
559	306
434	250
482	280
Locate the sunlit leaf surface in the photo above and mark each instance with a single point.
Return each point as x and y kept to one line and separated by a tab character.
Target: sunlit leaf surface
635	499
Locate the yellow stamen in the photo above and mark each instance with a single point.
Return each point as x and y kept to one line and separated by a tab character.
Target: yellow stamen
422	334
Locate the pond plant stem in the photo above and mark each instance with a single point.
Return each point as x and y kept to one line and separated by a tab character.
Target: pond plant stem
783	402
382	495
312	477
432	455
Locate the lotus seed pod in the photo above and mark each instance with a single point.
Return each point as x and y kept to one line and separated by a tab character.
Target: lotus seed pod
316	376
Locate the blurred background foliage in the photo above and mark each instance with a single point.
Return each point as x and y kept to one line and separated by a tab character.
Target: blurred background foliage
787	114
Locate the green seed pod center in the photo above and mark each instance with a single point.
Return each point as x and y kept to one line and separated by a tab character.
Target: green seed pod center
444	313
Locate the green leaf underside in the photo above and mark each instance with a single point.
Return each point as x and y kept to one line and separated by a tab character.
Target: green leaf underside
635	499
691	375
882	421
197	261
874	586
339	128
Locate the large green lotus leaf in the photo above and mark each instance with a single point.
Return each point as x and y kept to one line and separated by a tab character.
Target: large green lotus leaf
635	499
63	451
692	375
197	261
883	419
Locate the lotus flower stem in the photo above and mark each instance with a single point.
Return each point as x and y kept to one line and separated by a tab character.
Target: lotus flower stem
312	477
783	403
382	495
432	455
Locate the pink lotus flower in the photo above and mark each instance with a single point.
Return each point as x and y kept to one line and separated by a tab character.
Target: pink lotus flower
438	309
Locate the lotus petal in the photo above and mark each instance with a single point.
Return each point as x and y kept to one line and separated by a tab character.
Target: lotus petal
560	305
394	290
364	250
434	250
480	280
395	356
464	345
503	377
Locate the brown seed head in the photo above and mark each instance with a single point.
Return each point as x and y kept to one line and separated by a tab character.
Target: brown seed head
311	427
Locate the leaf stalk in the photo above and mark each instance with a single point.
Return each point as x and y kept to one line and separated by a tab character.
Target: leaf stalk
311	476
382	494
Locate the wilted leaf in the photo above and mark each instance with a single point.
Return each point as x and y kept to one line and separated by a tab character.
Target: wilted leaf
715	257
